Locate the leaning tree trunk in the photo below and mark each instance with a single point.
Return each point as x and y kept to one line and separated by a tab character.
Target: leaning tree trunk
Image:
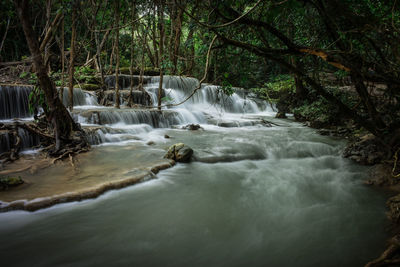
60	119
72	59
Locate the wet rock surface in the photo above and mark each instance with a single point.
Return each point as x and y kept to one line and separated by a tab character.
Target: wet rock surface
366	151
179	152
192	127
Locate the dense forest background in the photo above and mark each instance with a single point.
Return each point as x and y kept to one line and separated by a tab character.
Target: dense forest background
331	60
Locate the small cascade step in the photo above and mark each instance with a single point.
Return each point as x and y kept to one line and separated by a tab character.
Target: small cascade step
154	118
81	98
124	81
139	97
28	140
102	134
14	101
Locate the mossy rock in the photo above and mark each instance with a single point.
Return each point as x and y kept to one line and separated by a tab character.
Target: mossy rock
179	152
147	71
281	115
7	182
92	79
88	86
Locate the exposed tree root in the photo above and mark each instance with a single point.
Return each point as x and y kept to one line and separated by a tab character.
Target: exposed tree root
73	146
15	144
387	257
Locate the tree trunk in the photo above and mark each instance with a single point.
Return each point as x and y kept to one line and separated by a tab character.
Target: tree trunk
48	28
117	104
58	116
161	51
72	59
156	59
133	14
62	59
177	40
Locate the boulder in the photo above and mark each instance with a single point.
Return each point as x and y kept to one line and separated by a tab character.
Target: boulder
7	182
281	115
179	152
192	127
366	151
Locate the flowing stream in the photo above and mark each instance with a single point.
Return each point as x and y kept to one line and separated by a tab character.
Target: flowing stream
253	195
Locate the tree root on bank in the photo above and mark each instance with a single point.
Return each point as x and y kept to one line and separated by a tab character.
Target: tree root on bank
77	144
390	256
15	144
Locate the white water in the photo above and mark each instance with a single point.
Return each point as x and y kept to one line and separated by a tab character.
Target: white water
253	195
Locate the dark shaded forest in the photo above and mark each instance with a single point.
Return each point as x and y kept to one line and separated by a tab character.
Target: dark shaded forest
334	65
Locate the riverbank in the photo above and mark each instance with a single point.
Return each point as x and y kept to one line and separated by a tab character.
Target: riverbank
365	149
47	184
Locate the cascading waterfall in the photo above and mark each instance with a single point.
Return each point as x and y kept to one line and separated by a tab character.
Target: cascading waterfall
253	195
14	101
81	98
27	140
208	98
206	103
14	105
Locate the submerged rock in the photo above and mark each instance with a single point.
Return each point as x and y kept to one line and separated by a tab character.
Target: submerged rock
7	182
179	152
281	115
192	127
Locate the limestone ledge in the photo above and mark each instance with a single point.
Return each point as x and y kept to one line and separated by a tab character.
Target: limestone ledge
88	193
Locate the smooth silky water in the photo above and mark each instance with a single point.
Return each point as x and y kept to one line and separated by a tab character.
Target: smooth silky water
252	196
290	200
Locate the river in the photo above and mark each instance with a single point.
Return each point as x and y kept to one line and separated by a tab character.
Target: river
253	196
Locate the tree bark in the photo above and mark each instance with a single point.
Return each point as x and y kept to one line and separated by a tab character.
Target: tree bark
161	51
72	59
117	104
133	15
62	59
61	121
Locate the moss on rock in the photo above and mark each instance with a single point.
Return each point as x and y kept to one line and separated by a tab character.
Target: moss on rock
7	182
88	86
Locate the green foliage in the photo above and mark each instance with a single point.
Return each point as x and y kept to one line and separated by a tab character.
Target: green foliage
283	84
84	74
33	79
341	74
24	74
226	86
167	99
8	181
320	111
37	98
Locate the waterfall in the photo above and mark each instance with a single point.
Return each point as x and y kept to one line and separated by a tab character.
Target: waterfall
81	98
207	98
111	116
124	80
14	101
115	125
27	140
